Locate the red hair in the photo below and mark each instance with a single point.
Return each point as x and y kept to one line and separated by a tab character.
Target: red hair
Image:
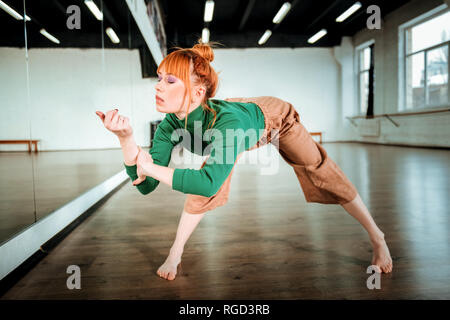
178	63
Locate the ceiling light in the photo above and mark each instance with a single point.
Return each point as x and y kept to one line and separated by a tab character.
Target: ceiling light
49	36
349	12
12	12
94	9
265	36
317	36
282	12
205	35
112	35
209	9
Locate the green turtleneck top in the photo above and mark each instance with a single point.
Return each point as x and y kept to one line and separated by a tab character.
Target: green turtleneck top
237	128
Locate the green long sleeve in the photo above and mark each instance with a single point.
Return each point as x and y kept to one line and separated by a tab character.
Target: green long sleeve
208	180
160	151
246	123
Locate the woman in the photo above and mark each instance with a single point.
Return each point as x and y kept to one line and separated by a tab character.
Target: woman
186	84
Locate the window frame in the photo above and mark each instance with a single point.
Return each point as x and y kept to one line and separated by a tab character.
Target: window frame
358	72
403	56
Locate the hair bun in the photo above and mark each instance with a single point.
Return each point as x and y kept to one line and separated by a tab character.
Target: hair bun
204	50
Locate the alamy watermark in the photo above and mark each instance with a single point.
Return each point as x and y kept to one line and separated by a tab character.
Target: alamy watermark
224	147
374	21
74	281
74	20
373	281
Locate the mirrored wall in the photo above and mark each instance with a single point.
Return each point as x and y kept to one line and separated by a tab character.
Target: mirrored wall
58	65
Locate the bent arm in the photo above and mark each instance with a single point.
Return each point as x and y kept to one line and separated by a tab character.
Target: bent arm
129	149
130	152
208	180
163	174
161	152
204	182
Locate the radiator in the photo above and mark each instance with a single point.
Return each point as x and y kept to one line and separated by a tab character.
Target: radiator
369	127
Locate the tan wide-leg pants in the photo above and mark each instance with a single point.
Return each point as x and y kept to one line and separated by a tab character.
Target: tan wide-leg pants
320	178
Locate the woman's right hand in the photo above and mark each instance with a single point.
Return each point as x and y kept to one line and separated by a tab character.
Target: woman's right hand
117	124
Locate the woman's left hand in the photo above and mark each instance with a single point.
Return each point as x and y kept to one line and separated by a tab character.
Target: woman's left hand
144	165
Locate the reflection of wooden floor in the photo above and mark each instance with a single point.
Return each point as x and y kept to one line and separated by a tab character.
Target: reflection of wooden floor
267	242
59	177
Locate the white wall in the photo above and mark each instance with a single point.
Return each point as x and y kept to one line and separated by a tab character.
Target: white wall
344	55
417	130
306	77
67	86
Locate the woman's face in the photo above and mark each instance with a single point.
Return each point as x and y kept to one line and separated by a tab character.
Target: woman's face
171	90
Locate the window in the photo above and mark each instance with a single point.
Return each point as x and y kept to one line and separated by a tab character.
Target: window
426	46
365	78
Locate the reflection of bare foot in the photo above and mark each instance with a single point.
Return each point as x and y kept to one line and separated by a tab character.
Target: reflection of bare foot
168	270
381	256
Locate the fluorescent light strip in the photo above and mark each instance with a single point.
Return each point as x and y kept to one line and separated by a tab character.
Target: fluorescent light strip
349	12
205	35
317	36
112	35
49	36
265	36
282	12
209	9
94	9
12	12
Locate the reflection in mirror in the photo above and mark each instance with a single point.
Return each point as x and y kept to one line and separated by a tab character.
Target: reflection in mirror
17	206
83	57
67	87
129	72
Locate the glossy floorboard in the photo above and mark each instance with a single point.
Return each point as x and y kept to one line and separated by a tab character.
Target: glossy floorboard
267	242
27	196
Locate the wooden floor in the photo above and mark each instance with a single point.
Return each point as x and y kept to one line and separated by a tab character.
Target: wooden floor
267	242
59	177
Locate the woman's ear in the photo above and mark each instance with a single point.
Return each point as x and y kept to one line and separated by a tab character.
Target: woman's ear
198	91
201	90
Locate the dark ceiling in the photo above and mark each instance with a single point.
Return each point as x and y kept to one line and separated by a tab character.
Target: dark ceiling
51	15
235	24
241	23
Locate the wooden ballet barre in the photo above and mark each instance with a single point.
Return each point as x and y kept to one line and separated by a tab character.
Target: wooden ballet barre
317	134
398	114
28	142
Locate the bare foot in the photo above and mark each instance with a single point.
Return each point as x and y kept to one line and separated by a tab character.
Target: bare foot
381	256
168	270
